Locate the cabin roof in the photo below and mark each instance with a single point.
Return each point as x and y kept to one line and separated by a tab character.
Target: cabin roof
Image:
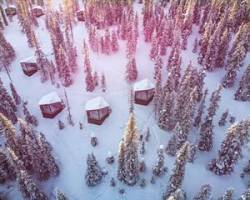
96	104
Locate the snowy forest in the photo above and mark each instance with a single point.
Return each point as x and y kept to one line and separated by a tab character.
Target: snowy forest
124	99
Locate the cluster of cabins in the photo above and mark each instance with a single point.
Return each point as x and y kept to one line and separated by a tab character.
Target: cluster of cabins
97	109
36	10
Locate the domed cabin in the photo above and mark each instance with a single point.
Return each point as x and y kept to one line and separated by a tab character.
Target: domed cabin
37	11
51	105
29	66
80	15
97	110
143	92
10	10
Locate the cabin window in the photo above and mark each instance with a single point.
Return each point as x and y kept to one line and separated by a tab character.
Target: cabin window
94	114
141	95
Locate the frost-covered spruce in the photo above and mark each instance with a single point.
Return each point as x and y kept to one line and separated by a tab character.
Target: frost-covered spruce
142	165
192	153
206	130
245	195
46	152
103	82
121	162
228	195
204	193
143	182
60	195
159	169
166	114
7	170
198	117
31	119
131	152
7	106
15	95
231	148
28	187
177	195
178	171
142	150
176	141
7	52
147	135
94	174
131	70
243	91
223	118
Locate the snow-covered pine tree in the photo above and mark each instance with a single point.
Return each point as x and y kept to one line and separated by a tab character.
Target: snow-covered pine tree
103	82
231	148
31	119
15	95
245	195
198	118
28	187
46	153
94	174
177	195
114	42
7	52
223	118
243	91
43	63
60	195
159	169
121	162
9	132
131	161
166	118
228	195
7	170
7	106
131	70
206	130
204	193
178	171
157	95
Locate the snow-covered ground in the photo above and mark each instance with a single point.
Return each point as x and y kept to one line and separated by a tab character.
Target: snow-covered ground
72	145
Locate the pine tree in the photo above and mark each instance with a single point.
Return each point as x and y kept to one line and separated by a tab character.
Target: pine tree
243	91
43	63
103	83
204	193
7	106
177	195
178	171
206	130
31	119
131	162
245	195
198	118
131	70
94	174
114	42
166	114
28	187
231	148
15	95
159	169
228	195
9	132
223	118
46	153
121	162
7	170
60	195
7	52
